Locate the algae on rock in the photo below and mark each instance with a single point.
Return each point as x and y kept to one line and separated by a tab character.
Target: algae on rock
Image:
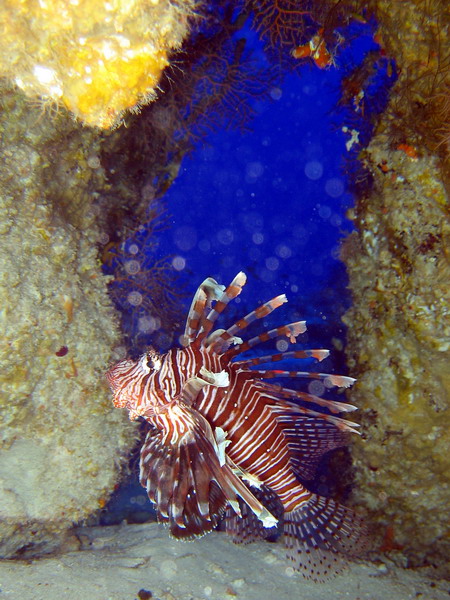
96	58
398	348
399	325
61	441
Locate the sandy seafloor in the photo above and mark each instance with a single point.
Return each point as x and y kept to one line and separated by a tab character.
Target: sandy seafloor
117	562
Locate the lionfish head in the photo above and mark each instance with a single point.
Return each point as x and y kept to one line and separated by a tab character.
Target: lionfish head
127	379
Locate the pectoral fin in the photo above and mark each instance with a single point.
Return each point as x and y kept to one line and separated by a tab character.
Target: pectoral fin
194	385
182	469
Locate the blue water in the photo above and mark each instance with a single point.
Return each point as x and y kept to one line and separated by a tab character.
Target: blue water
271	202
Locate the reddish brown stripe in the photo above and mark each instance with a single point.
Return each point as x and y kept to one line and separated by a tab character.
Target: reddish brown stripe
241	324
199	306
220	306
194	324
262	311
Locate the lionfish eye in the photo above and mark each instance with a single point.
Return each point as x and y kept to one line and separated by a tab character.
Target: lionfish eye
152	360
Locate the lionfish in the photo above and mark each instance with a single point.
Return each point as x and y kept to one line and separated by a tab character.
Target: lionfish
222	439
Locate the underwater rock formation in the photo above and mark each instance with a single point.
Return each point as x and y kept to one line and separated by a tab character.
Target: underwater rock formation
61	442
96	58
399	325
398	348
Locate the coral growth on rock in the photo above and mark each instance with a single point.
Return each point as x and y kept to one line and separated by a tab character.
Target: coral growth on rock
398	348
61	444
96	58
399	269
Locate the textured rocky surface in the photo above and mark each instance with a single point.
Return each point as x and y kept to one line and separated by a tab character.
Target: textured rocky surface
399	270
399	339
96	58
61	442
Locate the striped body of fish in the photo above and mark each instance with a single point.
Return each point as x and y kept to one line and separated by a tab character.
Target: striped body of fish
224	440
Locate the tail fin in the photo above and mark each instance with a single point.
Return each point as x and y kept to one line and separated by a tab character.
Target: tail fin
248	527
319	533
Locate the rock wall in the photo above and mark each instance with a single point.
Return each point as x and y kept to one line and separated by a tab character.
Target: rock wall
399	270
95	58
62	442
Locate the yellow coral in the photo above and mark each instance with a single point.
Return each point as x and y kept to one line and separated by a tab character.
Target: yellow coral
98	58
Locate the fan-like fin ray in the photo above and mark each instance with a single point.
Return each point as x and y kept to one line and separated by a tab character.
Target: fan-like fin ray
179	475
